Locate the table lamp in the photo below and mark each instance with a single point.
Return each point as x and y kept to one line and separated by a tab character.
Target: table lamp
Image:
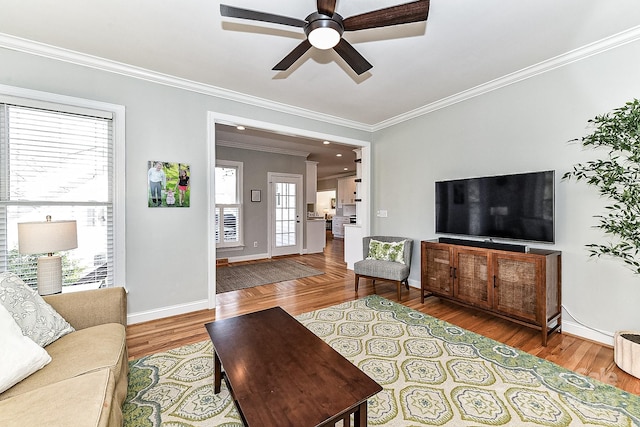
48	237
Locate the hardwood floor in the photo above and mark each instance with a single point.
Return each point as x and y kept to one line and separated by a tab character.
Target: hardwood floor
336	286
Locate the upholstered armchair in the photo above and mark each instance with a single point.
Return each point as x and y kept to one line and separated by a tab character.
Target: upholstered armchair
383	261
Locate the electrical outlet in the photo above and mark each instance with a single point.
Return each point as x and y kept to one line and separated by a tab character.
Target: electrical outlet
255	244
382	213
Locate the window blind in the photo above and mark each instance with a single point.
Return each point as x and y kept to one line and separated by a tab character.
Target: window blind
59	163
229	228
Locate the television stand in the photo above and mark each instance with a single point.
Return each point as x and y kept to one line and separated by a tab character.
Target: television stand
524	288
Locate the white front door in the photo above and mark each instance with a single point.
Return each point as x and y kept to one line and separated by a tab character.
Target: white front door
285	211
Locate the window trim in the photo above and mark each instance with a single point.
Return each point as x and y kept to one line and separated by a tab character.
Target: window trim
118	112
239	201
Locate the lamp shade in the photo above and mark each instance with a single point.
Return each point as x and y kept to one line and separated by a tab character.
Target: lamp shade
47	237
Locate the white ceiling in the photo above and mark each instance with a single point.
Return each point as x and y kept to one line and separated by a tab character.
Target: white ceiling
464	44
334	160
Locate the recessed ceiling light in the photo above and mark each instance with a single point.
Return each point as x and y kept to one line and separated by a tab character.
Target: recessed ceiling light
338	155
346	169
326	142
240	127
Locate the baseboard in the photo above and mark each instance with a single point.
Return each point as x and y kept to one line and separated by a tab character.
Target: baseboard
253	257
160	313
578	330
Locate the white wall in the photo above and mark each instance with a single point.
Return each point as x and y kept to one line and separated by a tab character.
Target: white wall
323	199
522	127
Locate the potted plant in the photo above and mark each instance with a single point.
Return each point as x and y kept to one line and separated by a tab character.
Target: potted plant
617	177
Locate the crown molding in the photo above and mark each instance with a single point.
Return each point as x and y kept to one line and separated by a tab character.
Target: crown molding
35	48
263	148
65	55
628	36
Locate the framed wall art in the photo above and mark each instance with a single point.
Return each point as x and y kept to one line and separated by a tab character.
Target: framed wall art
168	184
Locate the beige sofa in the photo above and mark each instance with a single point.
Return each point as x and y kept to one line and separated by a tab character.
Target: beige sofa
85	383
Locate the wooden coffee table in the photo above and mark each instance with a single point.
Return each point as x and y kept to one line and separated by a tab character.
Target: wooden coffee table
281	374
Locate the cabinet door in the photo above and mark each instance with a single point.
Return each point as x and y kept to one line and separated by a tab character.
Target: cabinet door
342	191
437	270
346	191
351	188
515	287
471	277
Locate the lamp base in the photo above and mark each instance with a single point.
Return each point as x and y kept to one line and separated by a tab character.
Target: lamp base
49	275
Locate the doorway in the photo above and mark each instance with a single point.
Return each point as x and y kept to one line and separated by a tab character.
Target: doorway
285	210
226	119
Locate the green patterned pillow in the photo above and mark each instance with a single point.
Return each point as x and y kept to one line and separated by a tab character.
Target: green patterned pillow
386	251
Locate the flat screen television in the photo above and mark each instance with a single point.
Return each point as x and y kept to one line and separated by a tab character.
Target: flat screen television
514	207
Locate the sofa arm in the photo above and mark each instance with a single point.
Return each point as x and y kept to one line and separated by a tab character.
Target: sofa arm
90	308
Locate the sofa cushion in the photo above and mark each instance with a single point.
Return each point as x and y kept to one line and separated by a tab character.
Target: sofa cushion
81	352
83	401
19	355
37	319
386	251
382	269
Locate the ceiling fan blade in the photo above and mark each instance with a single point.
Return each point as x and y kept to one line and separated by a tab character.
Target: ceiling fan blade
327	7
352	57
293	56
236	12
402	14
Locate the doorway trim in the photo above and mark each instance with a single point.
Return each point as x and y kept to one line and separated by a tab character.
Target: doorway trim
214	117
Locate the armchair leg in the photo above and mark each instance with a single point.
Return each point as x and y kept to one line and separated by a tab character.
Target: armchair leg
373	281
357	282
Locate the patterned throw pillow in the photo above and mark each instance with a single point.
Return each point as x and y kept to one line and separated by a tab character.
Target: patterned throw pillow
386	251
37	319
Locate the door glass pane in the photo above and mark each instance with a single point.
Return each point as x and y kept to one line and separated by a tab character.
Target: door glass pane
285	214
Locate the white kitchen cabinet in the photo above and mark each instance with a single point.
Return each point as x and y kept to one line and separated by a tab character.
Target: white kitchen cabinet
312	182
347	191
338	223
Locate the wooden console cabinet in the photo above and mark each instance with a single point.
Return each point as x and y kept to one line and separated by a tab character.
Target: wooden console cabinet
522	287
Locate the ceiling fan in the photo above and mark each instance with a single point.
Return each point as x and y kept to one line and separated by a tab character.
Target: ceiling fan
324	28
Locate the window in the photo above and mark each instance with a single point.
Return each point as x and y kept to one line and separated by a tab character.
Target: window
228	185
59	159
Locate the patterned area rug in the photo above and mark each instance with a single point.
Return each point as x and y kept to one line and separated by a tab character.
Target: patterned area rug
433	373
244	276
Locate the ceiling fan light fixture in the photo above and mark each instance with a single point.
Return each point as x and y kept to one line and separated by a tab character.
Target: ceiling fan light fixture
324	38
324	33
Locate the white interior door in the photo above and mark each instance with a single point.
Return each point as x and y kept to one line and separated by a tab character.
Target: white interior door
285	209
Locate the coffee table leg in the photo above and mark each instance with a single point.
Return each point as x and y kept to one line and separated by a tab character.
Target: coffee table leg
360	415
217	373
